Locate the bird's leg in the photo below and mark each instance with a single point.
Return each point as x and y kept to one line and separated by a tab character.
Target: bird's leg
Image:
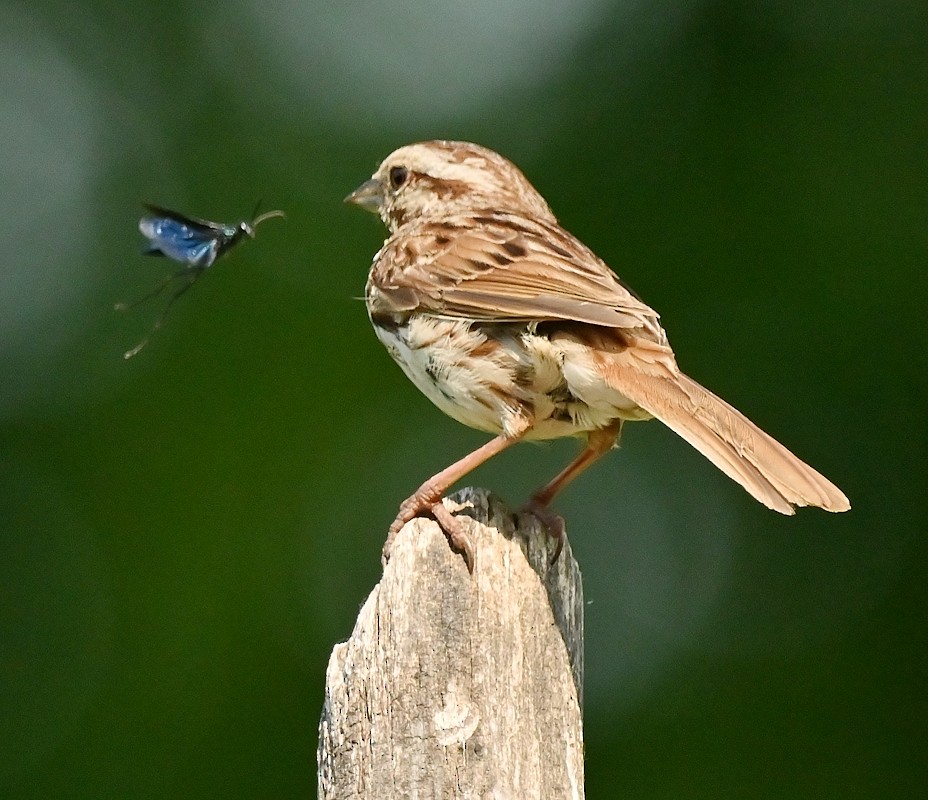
427	498
598	443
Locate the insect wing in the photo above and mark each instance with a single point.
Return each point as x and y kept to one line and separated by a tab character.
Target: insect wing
184	240
191	222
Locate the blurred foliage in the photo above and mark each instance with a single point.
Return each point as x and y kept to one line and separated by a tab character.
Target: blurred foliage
187	534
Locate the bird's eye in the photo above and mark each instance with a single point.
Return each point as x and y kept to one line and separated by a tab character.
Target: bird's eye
398	176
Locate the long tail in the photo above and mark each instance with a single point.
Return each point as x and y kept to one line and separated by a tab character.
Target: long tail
763	466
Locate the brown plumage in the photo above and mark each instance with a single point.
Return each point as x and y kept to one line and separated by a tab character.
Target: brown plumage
511	325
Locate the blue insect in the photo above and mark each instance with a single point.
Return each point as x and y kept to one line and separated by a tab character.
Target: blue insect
195	243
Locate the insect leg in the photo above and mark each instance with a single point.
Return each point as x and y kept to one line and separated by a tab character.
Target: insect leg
160	321
154	292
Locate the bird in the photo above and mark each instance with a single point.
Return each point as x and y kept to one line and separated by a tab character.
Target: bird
511	325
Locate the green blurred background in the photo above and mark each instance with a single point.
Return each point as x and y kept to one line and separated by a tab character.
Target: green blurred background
185	536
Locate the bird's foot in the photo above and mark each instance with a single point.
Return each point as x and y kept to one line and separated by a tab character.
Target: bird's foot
453	527
554	524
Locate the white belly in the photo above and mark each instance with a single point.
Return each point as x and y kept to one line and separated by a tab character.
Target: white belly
493	388
436	356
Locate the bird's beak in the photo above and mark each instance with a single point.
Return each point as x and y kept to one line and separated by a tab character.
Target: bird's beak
369	195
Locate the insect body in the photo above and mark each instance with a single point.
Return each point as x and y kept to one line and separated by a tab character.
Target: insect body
195	243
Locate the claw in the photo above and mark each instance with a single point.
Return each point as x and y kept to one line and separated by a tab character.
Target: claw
451	526
554	525
457	535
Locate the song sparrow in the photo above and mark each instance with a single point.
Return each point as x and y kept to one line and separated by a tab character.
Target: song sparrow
512	326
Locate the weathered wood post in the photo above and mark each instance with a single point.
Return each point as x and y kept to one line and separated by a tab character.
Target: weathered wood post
461	686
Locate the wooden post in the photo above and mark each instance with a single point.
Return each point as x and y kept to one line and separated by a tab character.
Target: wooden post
461	686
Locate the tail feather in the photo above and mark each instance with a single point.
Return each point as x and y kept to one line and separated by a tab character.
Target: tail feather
748	455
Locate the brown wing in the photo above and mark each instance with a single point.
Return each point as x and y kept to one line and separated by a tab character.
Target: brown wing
502	268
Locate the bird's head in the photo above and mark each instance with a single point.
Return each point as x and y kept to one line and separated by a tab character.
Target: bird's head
437	179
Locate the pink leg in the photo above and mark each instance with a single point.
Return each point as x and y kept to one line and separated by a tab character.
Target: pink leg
427	498
598	443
